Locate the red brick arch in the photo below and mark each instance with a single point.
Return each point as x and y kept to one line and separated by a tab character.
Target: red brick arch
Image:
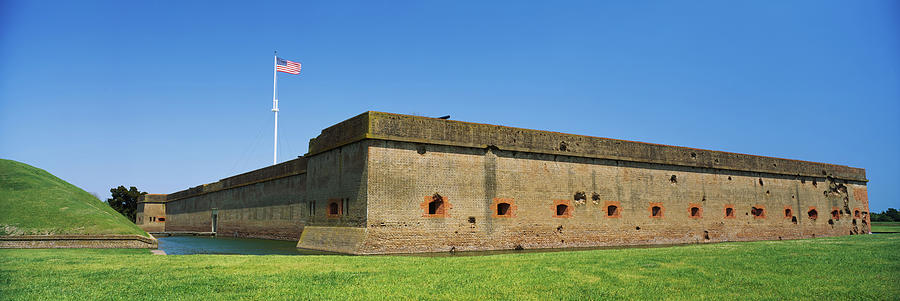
617	213
662	209
699	207
512	207
567	213
444	211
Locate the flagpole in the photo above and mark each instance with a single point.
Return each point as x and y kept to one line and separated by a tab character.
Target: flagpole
275	105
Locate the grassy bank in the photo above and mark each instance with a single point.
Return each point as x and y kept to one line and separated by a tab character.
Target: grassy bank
886	227
35	202
851	267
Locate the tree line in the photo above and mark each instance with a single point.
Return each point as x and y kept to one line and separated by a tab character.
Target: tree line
891	215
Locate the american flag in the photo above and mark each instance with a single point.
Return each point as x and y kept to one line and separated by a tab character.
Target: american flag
286	66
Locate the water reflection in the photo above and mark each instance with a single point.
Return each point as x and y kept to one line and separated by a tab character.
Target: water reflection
187	245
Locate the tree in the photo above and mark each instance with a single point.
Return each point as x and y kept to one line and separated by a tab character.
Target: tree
893	214
125	200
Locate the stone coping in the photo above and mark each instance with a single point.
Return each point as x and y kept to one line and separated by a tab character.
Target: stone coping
425	130
77	241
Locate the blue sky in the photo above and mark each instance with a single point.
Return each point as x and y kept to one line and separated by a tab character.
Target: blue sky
165	95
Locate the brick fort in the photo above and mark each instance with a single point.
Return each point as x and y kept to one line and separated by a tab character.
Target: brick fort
388	183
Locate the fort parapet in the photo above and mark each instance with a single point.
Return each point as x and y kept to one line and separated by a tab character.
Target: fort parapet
389	183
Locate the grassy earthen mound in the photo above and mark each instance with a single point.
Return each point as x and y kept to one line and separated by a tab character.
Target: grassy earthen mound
35	202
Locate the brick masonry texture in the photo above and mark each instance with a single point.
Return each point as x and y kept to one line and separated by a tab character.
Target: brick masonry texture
381	170
473	178
267	209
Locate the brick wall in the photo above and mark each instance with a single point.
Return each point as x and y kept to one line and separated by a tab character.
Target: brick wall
402	173
151	216
268	209
366	185
277	202
337	176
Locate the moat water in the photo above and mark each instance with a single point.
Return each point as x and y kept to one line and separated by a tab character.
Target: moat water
189	245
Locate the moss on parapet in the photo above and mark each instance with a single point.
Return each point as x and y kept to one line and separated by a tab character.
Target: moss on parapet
152	198
407	128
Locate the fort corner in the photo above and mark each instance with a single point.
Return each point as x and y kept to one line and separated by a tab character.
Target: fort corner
151	212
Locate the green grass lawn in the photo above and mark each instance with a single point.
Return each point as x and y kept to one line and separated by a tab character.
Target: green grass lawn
34	202
886	227
850	267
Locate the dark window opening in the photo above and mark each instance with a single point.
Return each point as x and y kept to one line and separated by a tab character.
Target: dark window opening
760	182
695	212
757	212
673	179
561	209
436	207
312	208
856	214
835	214
787	212
794	220
611	210
813	214
162	219
471	219
656	211
729	212
503	209
334	208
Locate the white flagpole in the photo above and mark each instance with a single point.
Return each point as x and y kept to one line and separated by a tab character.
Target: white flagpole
275	105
